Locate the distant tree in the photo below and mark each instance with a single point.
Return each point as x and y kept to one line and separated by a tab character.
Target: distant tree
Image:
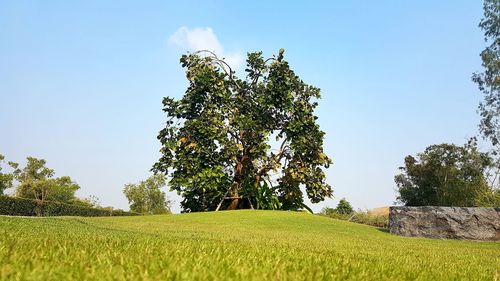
6	180
489	80
216	143
147	197
36	182
344	207
33	179
445	175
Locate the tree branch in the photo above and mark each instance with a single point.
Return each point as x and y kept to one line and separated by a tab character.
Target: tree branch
221	63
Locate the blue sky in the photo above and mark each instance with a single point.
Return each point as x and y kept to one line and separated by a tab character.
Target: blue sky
81	82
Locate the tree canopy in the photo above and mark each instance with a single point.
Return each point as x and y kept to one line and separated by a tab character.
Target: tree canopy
254	142
447	175
489	80
147	197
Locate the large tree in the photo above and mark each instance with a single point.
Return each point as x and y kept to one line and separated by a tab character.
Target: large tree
447	175
251	141
489	80
36	181
147	197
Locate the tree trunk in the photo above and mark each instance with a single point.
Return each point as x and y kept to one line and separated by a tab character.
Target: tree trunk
235	198
235	188
234	202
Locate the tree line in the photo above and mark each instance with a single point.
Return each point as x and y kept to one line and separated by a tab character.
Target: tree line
38	182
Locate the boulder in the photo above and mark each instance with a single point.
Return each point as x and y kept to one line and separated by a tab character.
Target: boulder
446	222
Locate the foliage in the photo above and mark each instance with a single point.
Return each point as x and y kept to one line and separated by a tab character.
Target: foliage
15	206
327	211
366	217
241	245
489	198
217	140
6	180
147	196
359	216
81	202
445	175
92	202
344	207
266	199
36	182
489	80
62	189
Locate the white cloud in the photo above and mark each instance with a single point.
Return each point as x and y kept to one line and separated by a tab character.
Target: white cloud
204	38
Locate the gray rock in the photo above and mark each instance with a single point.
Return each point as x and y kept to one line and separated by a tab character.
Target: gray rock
446	222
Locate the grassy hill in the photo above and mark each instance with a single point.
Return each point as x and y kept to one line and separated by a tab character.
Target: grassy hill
235	245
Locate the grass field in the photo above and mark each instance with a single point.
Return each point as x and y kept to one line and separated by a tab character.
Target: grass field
233	245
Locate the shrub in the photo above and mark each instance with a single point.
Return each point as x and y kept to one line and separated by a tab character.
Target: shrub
81	202
342	211
359	216
327	211
366	217
15	206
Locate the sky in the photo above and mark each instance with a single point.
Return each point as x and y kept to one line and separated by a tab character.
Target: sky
81	82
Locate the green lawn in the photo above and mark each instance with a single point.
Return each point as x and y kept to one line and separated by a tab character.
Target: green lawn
231	245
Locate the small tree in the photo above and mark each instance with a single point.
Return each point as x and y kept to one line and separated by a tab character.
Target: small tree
147	197
216	145
445	175
6	180
344	207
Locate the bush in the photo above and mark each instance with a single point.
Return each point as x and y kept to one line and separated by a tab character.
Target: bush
81	203
363	217
489	198
343	211
15	206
